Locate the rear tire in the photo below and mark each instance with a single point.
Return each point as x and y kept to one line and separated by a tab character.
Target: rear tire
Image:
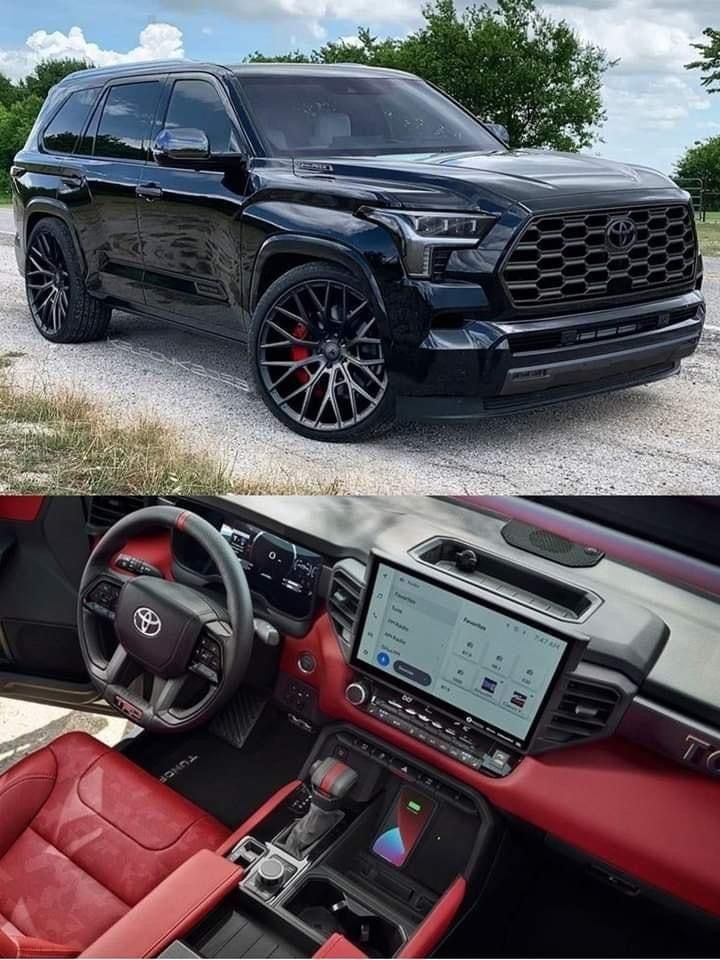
61	307
318	358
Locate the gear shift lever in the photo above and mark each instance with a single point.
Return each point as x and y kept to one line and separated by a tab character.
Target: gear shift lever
331	781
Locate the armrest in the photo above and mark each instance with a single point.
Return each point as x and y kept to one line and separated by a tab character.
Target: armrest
170	910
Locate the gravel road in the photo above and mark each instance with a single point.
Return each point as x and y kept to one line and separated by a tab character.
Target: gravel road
659	439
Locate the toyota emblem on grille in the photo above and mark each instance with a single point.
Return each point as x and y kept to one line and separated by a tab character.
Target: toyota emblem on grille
621	233
147	622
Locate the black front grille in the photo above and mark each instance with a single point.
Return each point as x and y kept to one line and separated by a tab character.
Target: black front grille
533	340
564	258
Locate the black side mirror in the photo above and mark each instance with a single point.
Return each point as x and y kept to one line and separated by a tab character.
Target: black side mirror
181	144
500	131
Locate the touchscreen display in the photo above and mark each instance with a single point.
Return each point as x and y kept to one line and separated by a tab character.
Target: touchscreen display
474	658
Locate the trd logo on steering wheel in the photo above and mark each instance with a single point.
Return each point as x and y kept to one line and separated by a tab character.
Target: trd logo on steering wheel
147	622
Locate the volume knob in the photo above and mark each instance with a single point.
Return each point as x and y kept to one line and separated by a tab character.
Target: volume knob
356	693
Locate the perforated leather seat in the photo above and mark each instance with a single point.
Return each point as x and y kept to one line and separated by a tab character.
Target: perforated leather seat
84	835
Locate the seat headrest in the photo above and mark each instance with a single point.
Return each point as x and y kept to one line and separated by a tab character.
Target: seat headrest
329	126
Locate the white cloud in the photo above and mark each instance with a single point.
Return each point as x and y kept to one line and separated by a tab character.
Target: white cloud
206	31
358	11
158	41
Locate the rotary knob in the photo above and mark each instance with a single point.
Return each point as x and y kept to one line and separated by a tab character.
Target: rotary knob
356	693
271	873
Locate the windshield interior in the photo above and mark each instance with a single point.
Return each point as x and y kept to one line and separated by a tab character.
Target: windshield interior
345	116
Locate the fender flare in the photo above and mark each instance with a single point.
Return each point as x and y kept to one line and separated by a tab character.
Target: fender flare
49	206
315	248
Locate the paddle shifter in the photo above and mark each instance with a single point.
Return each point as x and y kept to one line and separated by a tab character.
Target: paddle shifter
331	781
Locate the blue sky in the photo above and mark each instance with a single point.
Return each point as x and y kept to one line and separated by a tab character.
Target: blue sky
655	107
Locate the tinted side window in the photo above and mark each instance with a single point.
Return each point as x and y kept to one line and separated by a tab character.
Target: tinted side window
197	104
126	118
62	133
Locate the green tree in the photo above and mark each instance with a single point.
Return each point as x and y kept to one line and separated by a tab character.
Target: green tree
16	121
702	161
48	73
709	62
511	64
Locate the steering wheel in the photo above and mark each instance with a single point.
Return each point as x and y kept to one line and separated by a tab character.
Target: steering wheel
183	653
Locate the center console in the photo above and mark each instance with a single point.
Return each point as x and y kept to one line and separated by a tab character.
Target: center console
394	838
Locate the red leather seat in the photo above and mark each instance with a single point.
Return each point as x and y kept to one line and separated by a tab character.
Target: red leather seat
84	835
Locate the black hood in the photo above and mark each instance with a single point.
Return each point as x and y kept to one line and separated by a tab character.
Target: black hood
537	178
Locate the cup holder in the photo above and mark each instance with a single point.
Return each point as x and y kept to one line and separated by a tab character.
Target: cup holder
324	907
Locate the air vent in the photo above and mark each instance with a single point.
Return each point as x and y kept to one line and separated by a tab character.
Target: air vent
344	599
585	710
105	511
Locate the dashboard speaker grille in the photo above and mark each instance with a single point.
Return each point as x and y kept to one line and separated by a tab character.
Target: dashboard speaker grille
343	603
544	543
585	710
105	511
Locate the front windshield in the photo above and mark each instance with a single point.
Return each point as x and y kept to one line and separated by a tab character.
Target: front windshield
358	116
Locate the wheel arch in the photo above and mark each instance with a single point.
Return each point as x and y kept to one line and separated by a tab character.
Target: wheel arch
40	208
279	254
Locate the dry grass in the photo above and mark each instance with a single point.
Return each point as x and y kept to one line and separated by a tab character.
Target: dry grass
58	441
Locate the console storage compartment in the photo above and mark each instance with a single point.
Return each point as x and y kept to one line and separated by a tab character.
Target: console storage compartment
324	907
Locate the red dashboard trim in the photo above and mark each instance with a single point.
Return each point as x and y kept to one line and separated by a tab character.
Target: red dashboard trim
24	509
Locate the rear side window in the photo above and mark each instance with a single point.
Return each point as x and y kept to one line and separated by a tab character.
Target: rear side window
127	115
62	133
197	104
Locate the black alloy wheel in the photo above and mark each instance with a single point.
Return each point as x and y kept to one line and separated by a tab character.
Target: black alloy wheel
61	307
319	355
48	283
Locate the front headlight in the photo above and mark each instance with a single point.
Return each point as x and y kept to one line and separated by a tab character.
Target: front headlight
422	230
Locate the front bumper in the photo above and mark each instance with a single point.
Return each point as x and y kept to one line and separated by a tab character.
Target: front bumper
494	369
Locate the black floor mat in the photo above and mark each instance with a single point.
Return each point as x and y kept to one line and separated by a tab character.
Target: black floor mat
229	783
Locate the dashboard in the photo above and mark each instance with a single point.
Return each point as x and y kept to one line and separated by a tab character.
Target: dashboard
601	724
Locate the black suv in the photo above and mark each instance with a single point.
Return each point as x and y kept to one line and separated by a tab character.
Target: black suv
382	251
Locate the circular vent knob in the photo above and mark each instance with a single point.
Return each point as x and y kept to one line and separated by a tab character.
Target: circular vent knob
356	693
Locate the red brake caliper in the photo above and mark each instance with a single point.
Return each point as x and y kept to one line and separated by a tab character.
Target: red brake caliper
298	352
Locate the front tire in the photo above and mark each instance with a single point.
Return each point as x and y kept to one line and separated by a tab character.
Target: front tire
318	358
61	307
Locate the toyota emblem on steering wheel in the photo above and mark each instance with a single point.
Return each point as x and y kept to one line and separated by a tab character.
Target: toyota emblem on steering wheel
147	622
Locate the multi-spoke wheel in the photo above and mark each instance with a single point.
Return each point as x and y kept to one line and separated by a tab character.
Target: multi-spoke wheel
48	282
319	355
61	307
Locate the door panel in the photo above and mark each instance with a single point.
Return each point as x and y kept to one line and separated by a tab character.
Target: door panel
116	143
43	549
188	218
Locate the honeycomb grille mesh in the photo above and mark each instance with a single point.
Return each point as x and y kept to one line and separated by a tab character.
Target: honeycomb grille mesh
567	257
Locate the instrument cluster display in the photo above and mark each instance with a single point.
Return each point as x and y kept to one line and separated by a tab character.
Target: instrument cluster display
285	574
